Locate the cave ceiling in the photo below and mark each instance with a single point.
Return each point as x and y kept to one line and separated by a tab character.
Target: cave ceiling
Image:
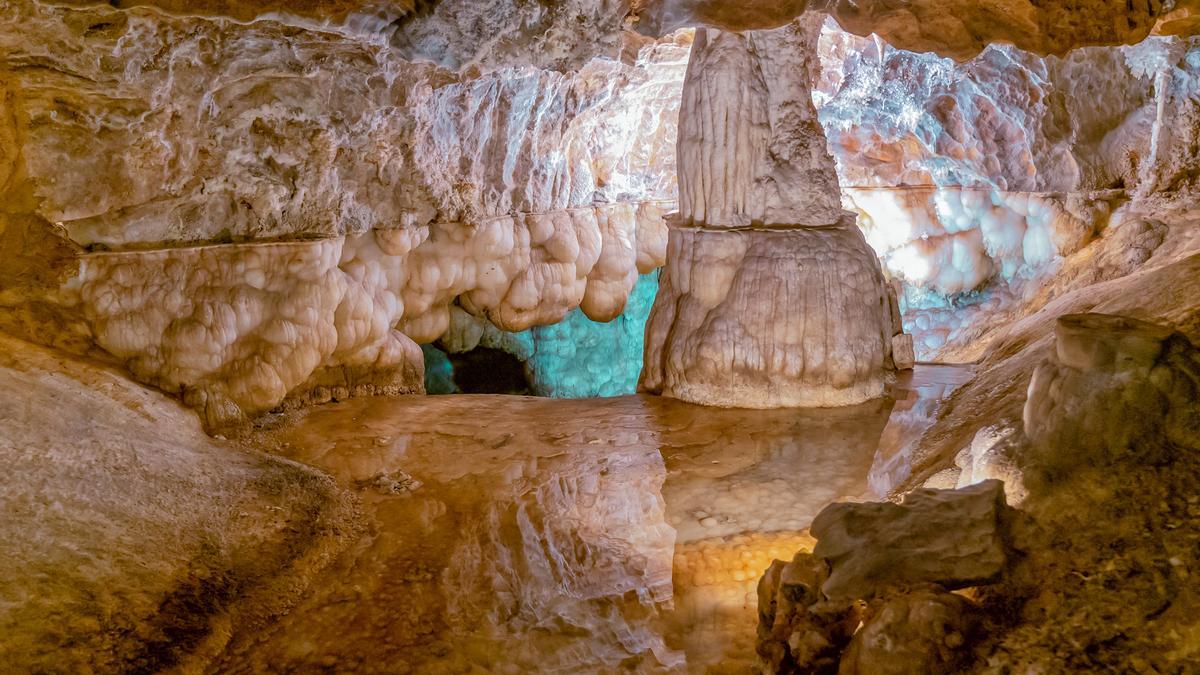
461	34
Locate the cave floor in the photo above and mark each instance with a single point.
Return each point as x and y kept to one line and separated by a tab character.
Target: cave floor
518	534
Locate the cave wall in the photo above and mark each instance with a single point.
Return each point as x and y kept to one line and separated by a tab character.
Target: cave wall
244	203
278	209
975	181
959	29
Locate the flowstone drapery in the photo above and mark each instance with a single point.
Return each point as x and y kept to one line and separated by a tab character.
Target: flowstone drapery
771	296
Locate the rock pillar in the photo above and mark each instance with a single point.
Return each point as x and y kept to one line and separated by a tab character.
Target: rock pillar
770	296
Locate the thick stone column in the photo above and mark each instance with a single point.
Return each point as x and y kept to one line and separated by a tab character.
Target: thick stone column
770	296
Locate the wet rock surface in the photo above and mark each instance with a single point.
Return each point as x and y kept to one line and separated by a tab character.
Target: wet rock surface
631	502
1092	574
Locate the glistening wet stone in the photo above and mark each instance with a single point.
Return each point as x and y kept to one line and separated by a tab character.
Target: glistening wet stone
568	535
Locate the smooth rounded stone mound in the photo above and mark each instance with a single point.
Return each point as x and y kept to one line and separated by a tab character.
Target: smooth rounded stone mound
1113	389
769	318
133	542
953	538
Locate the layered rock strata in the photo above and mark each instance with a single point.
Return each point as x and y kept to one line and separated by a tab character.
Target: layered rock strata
770	296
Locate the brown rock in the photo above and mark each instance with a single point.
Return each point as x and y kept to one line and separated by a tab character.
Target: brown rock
903	354
924	631
1115	389
797	631
955	28
953	538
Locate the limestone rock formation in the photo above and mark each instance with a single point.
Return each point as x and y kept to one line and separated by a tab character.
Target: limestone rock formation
1114	390
798	630
768	318
873	596
770	296
903	355
131	540
751	151
574	358
1147	267
953	538
280	210
919	631
1111	464
993	455
972	180
237	329
960	28
975	181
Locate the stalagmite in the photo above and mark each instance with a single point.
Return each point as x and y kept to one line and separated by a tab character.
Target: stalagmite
770	296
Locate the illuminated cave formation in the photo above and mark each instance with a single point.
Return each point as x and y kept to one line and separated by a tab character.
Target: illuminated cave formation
770	296
670	265
975	182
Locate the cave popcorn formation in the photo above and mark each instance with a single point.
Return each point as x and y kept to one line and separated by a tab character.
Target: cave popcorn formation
574	358
294	239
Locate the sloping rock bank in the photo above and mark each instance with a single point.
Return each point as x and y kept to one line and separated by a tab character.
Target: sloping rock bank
131	541
1093	574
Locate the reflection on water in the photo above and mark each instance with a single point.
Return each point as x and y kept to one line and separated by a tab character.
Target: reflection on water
918	395
515	534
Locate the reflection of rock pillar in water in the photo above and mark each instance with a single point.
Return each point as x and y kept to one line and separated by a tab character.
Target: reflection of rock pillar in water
770	296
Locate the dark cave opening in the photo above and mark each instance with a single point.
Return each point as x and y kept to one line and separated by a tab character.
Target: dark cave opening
484	370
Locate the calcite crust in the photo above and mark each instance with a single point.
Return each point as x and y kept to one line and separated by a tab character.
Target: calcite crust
237	329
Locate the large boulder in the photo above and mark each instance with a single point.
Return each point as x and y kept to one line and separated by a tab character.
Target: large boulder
798	630
131	541
1113	389
953	538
